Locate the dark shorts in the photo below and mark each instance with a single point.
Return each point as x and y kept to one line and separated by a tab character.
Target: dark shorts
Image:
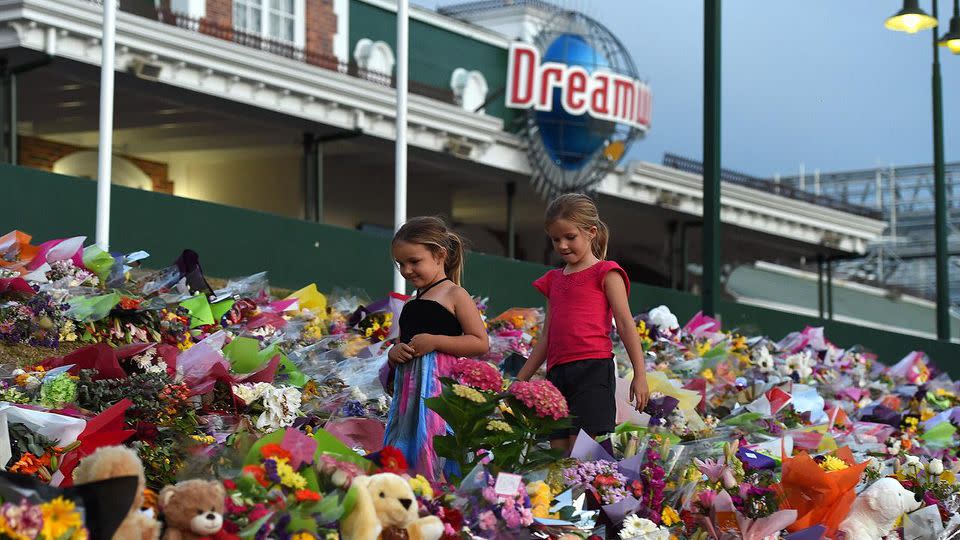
589	387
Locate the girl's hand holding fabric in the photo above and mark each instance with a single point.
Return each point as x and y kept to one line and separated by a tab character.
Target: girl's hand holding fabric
401	353
639	392
423	344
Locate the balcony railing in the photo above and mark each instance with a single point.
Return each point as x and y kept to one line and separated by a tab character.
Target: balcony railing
289	50
785	190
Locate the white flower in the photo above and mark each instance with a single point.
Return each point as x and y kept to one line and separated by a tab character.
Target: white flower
339	478
248	393
638	528
912	465
935	467
357	395
663	319
149	362
763	360
282	405
801	363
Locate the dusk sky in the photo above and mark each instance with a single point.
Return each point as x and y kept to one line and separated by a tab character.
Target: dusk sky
820	82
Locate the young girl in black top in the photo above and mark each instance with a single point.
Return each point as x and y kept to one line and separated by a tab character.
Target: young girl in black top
440	324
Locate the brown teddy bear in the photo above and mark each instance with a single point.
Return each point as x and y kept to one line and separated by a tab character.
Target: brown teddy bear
386	509
193	509
112	462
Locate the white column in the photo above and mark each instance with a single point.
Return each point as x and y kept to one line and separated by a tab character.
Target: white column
105	150
400	173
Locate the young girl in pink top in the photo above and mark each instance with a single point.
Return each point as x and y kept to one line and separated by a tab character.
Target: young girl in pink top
582	299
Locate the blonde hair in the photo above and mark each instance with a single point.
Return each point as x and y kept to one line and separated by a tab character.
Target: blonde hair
582	212
433	233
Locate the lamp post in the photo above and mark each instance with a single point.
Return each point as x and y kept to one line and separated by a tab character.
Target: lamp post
710	297
912	19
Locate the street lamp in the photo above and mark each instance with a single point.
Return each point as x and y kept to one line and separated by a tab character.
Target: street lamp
912	19
951	39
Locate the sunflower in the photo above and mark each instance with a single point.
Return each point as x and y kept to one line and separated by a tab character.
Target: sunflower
60	516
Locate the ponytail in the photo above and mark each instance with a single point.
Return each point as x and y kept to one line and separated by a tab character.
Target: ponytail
600	241
582	212
453	264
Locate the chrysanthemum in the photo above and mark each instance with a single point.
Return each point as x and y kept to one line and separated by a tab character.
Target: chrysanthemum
288	476
831	463
60	516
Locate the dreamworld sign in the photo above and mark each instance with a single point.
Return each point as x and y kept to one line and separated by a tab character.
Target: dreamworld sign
602	94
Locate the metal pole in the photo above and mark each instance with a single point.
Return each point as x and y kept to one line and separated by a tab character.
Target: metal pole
820	285
12	104
829	288
711	156
511	221
5	83
104	161
318	180
879	181
400	173
940	198
12	114
307	167
684	256
893	204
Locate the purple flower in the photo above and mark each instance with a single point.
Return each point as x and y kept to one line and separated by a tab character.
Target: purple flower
270	466
353	408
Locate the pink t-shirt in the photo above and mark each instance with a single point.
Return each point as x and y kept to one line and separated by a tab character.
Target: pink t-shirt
580	315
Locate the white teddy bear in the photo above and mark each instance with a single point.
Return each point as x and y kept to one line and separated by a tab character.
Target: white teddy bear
876	510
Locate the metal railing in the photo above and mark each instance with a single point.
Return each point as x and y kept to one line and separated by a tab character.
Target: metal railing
785	190
467	8
289	50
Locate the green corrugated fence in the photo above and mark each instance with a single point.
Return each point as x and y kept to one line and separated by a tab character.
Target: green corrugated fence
233	242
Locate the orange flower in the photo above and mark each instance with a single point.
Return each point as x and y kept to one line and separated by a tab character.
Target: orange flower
275	451
257	473
149	499
129	303
304	495
29	464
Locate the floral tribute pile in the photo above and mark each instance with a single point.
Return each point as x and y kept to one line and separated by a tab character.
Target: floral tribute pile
278	399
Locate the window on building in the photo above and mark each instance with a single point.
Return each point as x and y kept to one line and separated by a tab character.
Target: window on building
282	20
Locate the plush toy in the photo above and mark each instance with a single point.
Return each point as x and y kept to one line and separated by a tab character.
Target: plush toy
876	510
193	510
112	462
386	509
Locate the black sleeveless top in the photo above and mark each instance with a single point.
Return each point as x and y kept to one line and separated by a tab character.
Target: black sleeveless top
421	316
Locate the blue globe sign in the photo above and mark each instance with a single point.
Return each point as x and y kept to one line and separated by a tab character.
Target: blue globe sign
583	100
571	139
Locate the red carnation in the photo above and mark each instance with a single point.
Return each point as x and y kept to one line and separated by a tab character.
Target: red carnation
304	495
275	451
392	460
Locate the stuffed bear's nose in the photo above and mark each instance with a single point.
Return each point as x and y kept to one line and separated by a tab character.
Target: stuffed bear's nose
918	497
406	502
211	517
